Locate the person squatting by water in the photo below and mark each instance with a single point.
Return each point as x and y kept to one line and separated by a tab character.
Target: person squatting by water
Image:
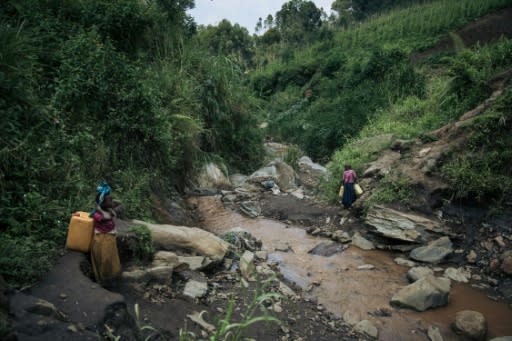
104	255
349	193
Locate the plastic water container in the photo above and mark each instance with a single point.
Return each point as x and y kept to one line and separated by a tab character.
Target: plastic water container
80	232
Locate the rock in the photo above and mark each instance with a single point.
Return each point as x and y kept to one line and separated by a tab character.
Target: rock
502	338
165	258
247	268
277	308
237	179
212	177
366	267
285	290
137	275
404	262
261	255
277	170
427	292
487	245
307	165
361	242
457	275
251	208
170	237
195	289
418	272
326	249
434	251
310	173
193	262
367	328
298	193
383	165
499	240
506	265
434	334
283	247
242	240
350	318
160	273
471	257
494	264
229	198
402	226
471	324
341	236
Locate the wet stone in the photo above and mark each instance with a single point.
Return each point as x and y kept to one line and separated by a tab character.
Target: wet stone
361	242
418	272
434	334
470	324
366	327
404	262
427	292
434	251
471	257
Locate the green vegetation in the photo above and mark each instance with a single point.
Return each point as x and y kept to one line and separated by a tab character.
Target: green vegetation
95	90
392	188
137	94
355	73
483	173
142	248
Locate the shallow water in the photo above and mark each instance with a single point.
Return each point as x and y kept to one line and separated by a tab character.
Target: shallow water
340	286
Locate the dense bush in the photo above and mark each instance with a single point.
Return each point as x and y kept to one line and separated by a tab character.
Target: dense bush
95	90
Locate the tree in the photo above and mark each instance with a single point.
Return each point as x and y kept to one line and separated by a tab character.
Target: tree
230	40
298	21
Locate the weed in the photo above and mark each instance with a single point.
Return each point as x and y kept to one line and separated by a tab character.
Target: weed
392	188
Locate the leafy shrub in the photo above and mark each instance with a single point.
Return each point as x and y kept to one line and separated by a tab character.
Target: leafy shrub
142	248
392	188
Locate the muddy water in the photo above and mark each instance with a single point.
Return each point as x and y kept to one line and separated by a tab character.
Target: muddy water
340	286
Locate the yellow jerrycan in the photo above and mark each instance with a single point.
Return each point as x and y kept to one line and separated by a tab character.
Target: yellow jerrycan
80	232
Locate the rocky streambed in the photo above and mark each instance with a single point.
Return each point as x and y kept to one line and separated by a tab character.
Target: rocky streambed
368	285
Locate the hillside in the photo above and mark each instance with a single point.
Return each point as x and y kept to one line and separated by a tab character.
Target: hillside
415	95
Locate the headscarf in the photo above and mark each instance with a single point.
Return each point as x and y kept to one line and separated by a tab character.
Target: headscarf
103	190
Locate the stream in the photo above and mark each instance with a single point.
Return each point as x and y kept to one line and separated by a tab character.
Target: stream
340	286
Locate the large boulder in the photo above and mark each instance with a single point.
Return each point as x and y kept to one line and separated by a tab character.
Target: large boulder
279	172
402	226
367	328
434	251
170	237
470	324
427	292
211	176
383	165
310	173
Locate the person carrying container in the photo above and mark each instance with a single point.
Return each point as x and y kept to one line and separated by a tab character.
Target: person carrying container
104	255
349	178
